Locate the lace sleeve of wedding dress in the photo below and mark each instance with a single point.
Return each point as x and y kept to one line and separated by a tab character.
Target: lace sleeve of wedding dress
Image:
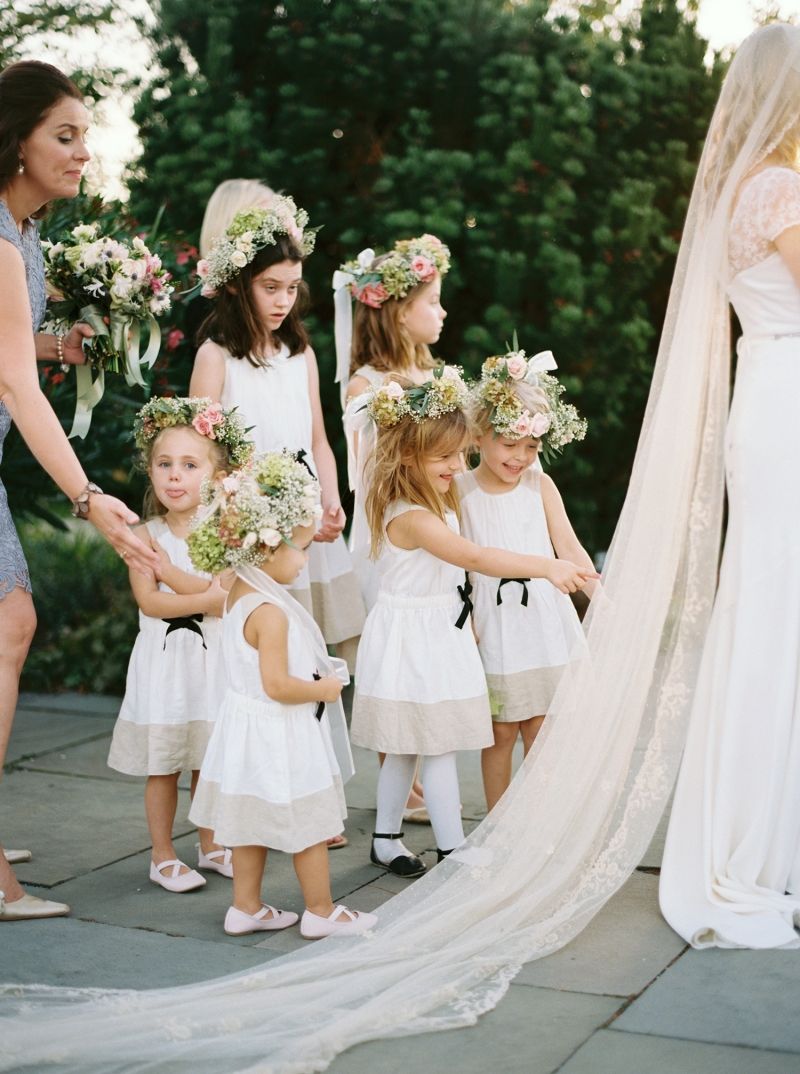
768	204
582	809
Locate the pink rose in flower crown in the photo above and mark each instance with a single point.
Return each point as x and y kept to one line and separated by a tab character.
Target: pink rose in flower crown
203	425
523	426
423	267
517	366
372	294
215	413
539	425
203	268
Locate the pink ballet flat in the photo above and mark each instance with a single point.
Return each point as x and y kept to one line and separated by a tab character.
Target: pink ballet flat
175	880
30	907
17	857
238	923
216	861
342	922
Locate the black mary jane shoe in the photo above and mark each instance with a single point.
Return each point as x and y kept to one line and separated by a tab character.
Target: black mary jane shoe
406	866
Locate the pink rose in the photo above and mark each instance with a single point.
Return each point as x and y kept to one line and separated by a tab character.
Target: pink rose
423	268
517	366
393	390
373	295
203	268
431	240
539	425
523	425
214	413
203	426
208	292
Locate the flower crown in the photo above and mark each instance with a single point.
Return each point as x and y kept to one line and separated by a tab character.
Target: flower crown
206	418
443	393
248	513
509	416
250	231
411	263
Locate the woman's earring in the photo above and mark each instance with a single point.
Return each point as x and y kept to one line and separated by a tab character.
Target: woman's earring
21	167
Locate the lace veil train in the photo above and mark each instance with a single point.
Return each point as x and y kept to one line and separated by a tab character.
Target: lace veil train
580	813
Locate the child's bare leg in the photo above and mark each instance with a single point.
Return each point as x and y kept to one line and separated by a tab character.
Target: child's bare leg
161	804
496	762
248	875
311	866
206	835
529	729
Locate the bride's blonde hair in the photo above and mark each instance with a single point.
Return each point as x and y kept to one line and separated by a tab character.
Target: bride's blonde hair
396	467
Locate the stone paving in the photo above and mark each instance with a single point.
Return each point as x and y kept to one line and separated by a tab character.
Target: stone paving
625	997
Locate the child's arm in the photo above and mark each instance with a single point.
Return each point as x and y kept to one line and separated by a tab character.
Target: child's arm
267	629
181	581
208	375
422	529
152	601
333	518
562	535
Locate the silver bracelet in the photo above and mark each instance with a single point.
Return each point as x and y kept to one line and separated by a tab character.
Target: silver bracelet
62	364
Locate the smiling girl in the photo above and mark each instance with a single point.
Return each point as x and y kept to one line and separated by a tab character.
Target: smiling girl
527	630
420	685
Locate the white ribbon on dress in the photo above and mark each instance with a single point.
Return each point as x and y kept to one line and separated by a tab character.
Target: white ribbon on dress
343	319
326	664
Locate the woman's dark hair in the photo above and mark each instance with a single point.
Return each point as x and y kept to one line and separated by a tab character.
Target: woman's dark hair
233	321
28	90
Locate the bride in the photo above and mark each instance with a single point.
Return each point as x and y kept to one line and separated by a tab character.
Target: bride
733	847
581	811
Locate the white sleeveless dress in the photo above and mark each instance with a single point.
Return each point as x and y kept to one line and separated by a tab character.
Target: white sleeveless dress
527	630
359	543
173	684
274	402
420	686
731	870
270	776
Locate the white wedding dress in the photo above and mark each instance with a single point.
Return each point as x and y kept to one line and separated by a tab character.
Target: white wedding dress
731	870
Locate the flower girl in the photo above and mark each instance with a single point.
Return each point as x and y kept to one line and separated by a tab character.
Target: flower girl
420	684
526	630
255	355
271	777
169	705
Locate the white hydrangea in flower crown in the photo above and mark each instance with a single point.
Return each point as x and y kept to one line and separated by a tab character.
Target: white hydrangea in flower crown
250	231
249	512
443	393
509	417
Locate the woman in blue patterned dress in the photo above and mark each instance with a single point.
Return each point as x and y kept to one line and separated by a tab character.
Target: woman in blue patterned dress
42	155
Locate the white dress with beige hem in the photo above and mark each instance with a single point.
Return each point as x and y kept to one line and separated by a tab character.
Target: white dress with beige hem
173	684
420	686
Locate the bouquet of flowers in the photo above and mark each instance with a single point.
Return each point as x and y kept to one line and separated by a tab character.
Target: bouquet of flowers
116	288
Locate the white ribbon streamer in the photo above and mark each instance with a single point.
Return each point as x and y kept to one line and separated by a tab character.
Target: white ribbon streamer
343	320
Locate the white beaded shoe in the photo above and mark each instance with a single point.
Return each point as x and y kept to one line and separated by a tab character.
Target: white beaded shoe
174	879
238	923
29	907
342	922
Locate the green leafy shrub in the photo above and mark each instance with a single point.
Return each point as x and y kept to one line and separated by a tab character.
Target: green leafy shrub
87	618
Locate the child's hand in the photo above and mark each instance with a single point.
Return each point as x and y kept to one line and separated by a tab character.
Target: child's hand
329	687
215	597
331	524
568	577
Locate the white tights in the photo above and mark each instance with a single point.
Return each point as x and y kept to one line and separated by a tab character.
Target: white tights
439	777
